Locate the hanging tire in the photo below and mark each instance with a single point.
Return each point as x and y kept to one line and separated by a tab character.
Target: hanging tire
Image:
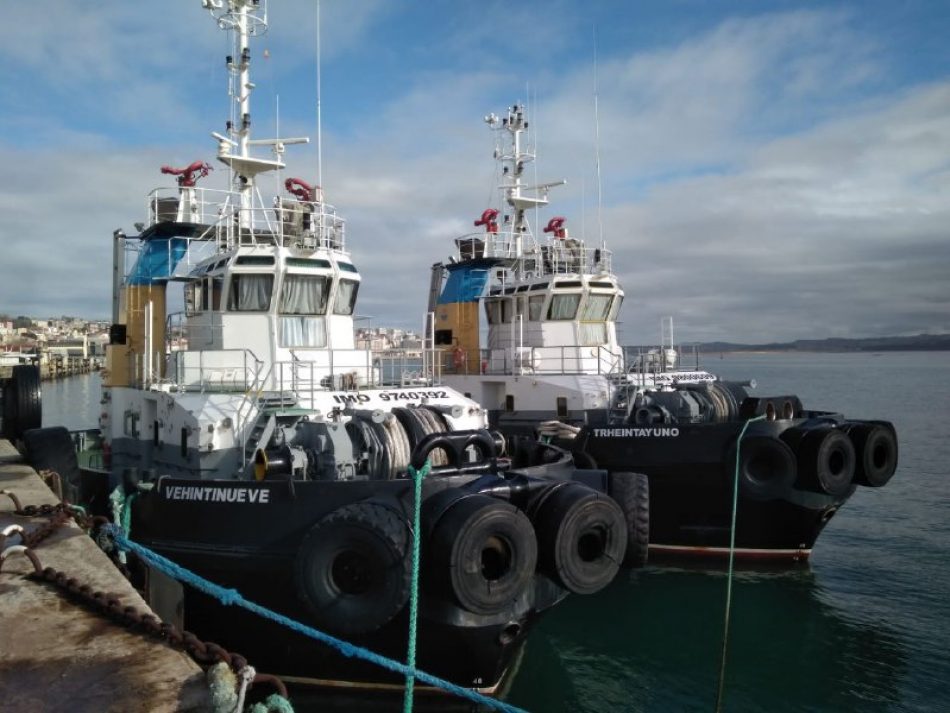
582	536
352	570
875	448
53	449
767	467
826	461
631	491
482	551
22	401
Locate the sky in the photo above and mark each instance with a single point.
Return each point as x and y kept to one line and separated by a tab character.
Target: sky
770	171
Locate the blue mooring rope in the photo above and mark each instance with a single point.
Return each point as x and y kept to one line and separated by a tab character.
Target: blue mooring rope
417	477
233	597
732	554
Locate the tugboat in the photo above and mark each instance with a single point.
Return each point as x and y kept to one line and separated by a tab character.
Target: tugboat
269	453
552	368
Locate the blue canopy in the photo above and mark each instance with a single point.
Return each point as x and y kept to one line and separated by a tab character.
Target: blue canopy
157	261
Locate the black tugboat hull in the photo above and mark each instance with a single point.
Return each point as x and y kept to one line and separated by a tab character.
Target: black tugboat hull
252	542
781	508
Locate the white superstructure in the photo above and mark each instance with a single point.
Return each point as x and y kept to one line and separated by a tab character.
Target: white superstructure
551	302
263	355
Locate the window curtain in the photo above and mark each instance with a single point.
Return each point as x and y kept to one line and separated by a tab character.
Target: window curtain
535	305
346	297
304	294
250	293
592	333
564	306
303	332
596	308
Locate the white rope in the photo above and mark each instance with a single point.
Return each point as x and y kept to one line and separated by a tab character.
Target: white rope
247	676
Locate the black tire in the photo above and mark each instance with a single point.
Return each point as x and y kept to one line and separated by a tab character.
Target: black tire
767	467
875	448
53	449
826	461
631	491
352	570
482	551
22	401
582	537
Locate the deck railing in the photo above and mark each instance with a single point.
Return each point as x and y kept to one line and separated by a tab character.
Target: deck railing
308	224
551	257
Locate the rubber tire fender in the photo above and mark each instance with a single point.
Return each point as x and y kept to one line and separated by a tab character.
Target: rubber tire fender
22	401
826	461
483	552
582	536
875	447
53	449
631	491
767	468
352	569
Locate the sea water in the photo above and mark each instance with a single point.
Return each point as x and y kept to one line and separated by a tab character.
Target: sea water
864	627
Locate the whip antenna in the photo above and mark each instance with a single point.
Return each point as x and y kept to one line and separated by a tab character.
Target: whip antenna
600	184
319	117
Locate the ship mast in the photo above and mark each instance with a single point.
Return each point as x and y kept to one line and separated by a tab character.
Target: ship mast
520	197
244	18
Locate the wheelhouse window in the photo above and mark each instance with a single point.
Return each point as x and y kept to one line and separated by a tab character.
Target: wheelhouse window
535	307
304	294
564	306
493	311
346	297
615	311
193	297
250	293
596	308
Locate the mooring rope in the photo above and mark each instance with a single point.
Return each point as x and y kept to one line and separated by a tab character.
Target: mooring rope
732	553
233	597
417	477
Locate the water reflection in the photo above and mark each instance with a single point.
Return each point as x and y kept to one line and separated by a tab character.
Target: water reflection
72	402
652	642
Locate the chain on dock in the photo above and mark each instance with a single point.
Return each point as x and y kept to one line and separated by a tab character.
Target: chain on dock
109	604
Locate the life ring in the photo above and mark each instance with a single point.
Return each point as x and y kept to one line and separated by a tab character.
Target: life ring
875	447
458	358
482	551
352	571
826	459
582	536
766	470
631	491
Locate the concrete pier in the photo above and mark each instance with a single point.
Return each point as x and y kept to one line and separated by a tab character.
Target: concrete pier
57	656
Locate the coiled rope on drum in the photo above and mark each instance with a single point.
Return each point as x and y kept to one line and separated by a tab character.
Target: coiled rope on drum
732	554
230	597
417	477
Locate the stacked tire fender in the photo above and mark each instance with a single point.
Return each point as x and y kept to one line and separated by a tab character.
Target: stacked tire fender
480	554
822	455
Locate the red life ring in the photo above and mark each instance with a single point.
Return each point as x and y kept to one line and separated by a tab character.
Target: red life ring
458	358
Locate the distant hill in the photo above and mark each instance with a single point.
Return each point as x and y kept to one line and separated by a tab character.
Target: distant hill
920	342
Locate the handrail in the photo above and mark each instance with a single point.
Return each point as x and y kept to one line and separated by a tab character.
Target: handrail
311	223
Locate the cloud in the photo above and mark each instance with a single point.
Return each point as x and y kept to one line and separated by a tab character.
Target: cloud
765	177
